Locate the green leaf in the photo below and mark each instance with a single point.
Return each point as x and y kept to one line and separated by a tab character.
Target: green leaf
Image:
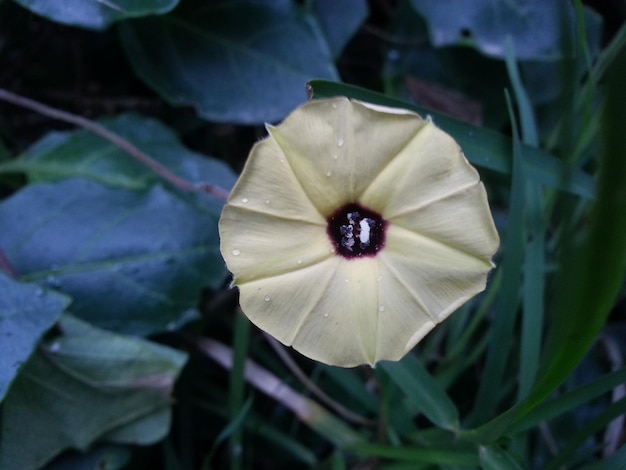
593	266
79	387
536	28
494	458
569	401
443	455
96	14
134	262
483	147
423	391
339	21
60	155
26	312
244	62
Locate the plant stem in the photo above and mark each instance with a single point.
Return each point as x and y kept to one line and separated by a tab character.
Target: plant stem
114	139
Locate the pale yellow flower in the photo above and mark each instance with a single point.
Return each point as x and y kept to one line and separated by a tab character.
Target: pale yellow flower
354	229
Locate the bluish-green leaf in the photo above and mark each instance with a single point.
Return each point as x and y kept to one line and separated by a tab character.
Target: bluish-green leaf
244	62
134	262
80	386
536	27
27	311
60	155
96	14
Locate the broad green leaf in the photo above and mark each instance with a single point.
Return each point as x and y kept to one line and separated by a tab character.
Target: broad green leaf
483	147
243	62
80	386
60	155
27	311
339	21
134	262
423	391
96	14
536	27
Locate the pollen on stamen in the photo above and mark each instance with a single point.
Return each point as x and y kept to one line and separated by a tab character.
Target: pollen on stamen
356	231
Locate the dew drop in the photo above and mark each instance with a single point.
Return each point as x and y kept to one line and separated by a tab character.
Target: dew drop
267	298
326	314
335	157
347	280
380	278
267	201
329	173
299	261
236	252
334	105
40	292
53	281
381	308
340	142
244	199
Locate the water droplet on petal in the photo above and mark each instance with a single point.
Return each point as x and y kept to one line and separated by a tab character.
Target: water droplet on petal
244	199
267	201
299	261
340	142
347	280
236	252
381	308
335	157
326	314
380	278
267	298
334	105
329	173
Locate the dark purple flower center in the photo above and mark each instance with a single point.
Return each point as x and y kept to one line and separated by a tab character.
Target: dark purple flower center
356	231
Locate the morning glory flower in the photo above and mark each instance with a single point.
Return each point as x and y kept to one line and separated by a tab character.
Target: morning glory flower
354	229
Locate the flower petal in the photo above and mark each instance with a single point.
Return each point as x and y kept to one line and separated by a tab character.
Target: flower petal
337	147
268	215
327	311
421	283
428	168
461	220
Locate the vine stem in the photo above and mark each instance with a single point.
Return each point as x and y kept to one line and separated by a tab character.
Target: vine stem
114	139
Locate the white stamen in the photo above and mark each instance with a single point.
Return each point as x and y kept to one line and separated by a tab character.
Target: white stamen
364	236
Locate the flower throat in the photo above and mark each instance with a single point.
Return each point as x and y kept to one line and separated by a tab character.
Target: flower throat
356	231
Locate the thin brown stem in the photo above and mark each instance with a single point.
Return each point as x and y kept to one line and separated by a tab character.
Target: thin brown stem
5	265
313	388
114	139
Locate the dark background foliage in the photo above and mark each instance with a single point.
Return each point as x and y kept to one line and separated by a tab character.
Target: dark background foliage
121	344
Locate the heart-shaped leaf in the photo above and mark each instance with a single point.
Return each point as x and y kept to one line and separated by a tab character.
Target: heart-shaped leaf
244	62
133	262
81	386
94	14
27	311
